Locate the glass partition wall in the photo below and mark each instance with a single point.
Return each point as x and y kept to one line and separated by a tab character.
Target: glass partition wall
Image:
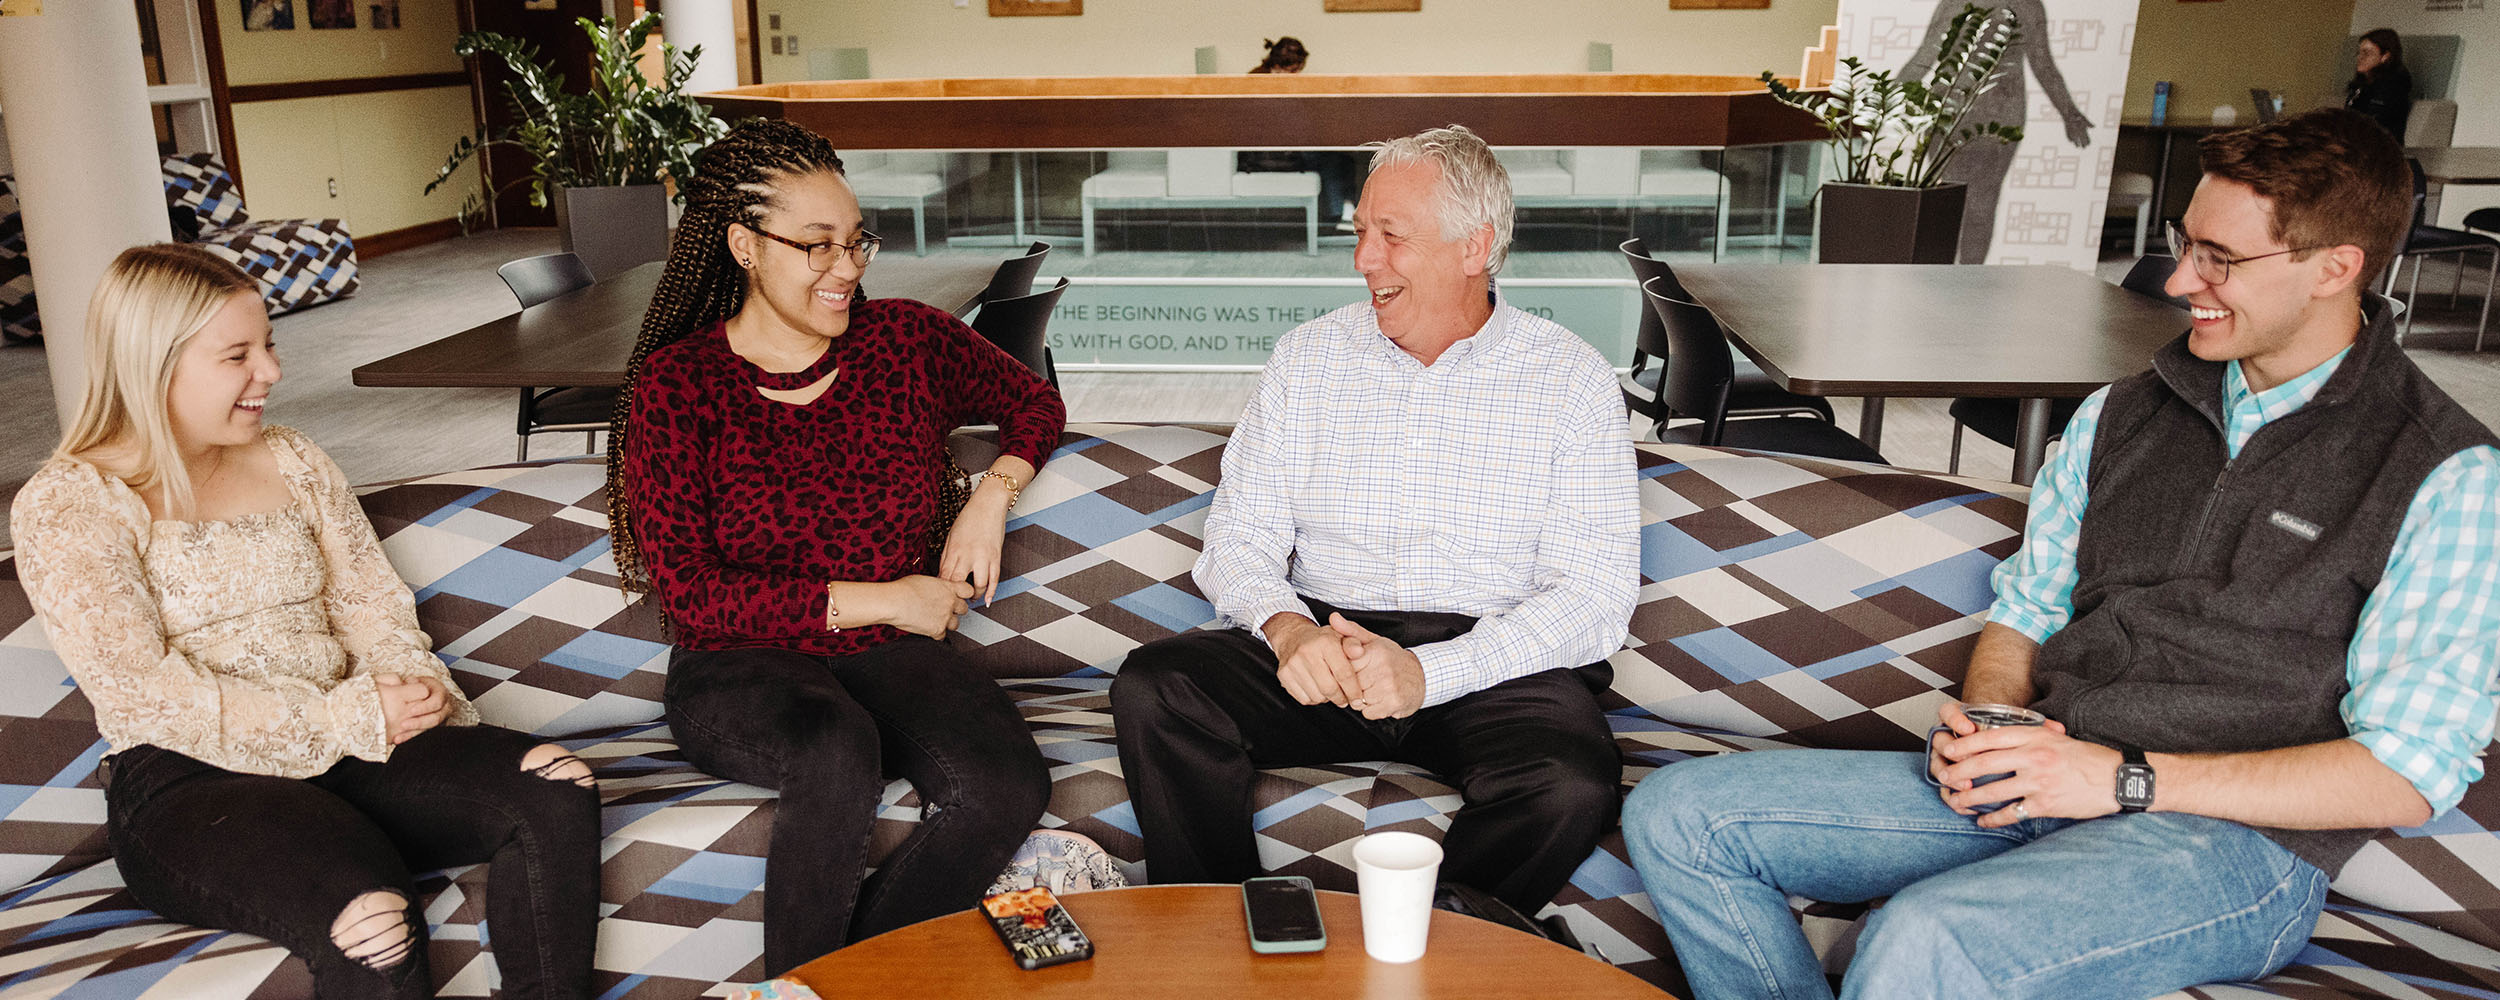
1178	258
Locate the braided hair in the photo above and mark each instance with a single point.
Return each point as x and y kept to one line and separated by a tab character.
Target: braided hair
733	181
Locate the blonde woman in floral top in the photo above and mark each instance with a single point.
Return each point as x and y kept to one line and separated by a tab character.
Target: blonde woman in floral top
286	749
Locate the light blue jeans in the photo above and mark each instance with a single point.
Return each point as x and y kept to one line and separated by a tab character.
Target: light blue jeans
2127	906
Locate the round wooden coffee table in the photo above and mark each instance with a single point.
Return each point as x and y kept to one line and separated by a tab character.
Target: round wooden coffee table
1188	942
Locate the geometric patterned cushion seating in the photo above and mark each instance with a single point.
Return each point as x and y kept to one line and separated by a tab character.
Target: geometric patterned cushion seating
1784	602
17	281
298	262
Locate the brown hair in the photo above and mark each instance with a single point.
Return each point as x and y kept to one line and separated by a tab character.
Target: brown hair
2333	176
1284	55
733	181
2389	45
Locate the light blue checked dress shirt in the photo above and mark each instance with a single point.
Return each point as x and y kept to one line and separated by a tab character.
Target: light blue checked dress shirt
2421	664
1497	482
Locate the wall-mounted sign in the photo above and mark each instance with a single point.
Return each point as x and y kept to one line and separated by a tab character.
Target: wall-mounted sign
1234	323
1033	8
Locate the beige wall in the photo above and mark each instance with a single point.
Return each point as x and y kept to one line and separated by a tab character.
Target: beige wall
2213	52
380	148
421	44
915	38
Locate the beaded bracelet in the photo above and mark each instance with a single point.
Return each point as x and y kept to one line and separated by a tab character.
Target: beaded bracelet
1015	490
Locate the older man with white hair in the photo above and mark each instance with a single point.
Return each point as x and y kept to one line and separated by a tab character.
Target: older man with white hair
1426	544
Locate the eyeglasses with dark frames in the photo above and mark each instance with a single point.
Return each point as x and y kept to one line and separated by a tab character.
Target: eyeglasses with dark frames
820	255
2211	266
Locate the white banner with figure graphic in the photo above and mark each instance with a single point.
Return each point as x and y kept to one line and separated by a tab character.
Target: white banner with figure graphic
2065	79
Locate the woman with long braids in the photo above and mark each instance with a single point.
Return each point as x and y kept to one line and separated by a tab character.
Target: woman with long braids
773	483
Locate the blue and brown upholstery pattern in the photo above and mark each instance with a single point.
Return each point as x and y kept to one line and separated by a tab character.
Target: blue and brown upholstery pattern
298	262
17	280
1784	602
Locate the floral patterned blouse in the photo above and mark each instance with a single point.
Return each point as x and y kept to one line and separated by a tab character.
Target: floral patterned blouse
250	643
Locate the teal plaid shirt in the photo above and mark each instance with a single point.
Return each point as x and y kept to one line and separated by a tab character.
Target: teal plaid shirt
2421	664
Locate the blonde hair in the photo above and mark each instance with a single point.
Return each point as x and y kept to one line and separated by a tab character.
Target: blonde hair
151	301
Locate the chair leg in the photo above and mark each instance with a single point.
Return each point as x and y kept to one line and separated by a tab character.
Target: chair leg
1953	463
2413	300
920	226
522	454
2491	279
2143	220
1087	240
590	442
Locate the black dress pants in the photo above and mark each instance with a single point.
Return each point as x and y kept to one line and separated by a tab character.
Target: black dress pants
283	857
826	731
1200	714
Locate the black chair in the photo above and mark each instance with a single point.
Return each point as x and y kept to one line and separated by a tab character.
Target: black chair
2428	240
2483	219
1995	419
2150	277
1753	392
1700	380
1015	274
1021	325
543	411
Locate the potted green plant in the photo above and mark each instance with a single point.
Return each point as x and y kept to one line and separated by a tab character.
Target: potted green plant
1891	138
600	156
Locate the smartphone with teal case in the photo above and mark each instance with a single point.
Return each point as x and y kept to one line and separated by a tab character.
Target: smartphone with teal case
1284	915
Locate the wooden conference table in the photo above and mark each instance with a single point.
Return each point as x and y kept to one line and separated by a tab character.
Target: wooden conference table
1188	942
584	338
2032	333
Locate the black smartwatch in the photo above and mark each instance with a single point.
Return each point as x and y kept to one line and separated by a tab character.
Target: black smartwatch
2135	781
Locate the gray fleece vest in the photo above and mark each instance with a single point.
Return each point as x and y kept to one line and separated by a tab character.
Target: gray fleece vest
2217	597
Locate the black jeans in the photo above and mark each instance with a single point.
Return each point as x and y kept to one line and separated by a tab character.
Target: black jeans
283	857
1200	713
826	731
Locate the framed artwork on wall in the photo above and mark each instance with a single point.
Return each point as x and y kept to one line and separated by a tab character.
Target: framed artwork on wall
333	13
1363	5
383	13
21	8
1035	8
268	15
1718	4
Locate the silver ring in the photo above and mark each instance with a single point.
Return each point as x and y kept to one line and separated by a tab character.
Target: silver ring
2020	812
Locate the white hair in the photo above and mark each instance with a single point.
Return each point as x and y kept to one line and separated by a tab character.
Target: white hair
1474	189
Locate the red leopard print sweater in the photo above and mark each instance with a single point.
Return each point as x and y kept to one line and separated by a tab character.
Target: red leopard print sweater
744	507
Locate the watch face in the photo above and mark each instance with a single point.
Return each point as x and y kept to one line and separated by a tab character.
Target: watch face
2135	786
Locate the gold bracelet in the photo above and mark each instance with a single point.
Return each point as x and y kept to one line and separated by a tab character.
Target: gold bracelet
1015	490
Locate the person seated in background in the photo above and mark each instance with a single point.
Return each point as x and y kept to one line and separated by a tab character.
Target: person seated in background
774	483
1427	519
1340	172
2256	610
285	747
2381	86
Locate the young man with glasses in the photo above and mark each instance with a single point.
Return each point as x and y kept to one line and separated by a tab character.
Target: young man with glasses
2257	603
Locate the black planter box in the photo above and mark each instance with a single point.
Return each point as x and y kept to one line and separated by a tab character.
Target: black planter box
1864	224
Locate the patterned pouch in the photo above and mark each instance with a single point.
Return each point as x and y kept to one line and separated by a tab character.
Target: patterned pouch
1061	862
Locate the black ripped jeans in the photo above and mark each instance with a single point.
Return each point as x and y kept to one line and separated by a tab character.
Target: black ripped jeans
283	857
826	731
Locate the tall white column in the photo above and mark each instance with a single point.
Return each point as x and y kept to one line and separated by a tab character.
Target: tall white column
708	23
88	180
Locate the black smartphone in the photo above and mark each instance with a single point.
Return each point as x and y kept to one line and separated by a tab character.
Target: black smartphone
1035	928
1283	915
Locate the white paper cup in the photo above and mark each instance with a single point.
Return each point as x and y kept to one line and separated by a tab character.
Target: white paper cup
1396	873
